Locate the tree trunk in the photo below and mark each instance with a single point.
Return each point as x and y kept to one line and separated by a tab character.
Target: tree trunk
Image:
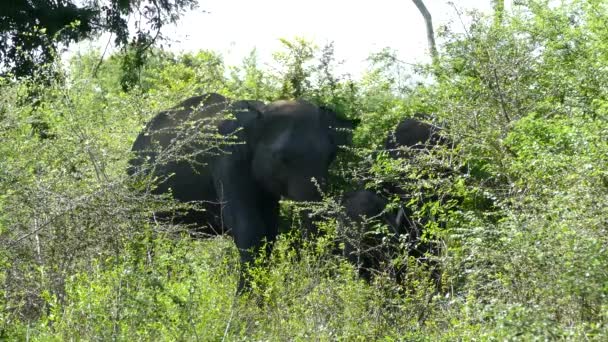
430	34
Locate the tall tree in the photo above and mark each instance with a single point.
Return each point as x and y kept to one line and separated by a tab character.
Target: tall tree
32	30
430	34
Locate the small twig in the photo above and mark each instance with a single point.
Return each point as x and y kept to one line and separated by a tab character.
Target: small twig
79	202
96	69
230	318
459	14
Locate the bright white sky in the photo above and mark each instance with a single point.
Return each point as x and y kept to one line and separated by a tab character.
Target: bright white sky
357	27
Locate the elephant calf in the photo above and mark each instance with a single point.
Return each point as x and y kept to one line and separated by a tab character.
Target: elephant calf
371	250
368	249
280	149
414	135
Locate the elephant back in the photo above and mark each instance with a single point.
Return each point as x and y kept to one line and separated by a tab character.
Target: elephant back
175	133
186	118
187	131
414	134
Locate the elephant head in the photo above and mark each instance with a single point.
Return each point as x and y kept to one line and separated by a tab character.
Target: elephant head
293	143
413	134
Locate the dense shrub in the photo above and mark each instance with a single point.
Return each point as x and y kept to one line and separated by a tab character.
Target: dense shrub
521	216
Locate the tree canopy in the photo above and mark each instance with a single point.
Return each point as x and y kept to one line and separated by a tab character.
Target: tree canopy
31	31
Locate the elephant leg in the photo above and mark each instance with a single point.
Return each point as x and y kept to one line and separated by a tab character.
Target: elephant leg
269	207
250	215
253	227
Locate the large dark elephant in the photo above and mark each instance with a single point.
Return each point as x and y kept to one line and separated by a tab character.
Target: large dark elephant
373	250
280	149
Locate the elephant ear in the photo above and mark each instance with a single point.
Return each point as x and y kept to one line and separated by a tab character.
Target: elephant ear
341	129
247	113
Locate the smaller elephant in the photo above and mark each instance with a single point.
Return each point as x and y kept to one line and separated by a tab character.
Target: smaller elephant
414	135
410	140
372	250
365	247
282	149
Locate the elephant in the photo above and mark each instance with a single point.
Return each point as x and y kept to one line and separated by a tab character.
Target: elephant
363	246
371	250
282	149
415	135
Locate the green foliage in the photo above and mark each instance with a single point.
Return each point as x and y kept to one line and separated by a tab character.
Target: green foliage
63	192
160	290
518	102
294	61
516	208
309	293
249	81
32	31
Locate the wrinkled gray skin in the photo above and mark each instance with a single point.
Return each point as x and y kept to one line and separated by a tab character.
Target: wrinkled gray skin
284	145
363	206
